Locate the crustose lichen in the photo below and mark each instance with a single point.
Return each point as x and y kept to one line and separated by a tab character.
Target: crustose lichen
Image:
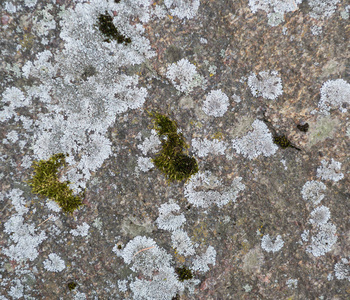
45	182
172	160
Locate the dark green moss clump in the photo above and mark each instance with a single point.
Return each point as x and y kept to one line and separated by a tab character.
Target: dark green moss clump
108	29
184	273
71	285
45	182
172	160
282	141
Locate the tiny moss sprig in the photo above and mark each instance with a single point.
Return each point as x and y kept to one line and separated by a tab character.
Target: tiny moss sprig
304	127
184	273
173	159
108	29
283	142
45	182
71	285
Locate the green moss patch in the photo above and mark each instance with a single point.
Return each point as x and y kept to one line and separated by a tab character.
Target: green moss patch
304	127
282	141
108	29
71	285
173	160
184	273
45	182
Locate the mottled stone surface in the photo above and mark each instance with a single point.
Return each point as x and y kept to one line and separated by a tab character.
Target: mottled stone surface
121	204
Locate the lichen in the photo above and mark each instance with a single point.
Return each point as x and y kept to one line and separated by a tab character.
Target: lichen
45	182
173	160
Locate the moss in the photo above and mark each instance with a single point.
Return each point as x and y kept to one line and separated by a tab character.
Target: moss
172	160
184	273
303	128
45	182
108	29
71	285
282	141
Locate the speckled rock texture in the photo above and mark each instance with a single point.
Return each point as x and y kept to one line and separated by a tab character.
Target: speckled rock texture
258	221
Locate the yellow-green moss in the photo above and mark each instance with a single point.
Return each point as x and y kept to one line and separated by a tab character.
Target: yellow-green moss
173	160
45	182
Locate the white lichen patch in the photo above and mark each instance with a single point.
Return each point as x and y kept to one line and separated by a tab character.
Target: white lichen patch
312	191
81	86
324	239
18	201
275	18
122	285
269	245
144	255
81	230
30	3
25	239
334	94
144	164
182	75
342	269
182	243
204	147
201	263
183	8
79	296
322	9
256	142
305	236
330	170
43	21
150	144
54	263
13	99
53	205
215	103
320	215
16	291
159	279
267	84
168	219
292	283
204	190
277	6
